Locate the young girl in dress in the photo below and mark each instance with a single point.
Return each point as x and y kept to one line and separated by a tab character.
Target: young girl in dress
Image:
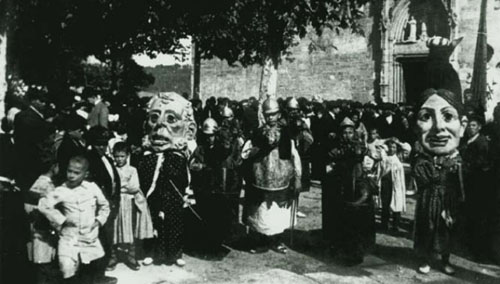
134	219
393	187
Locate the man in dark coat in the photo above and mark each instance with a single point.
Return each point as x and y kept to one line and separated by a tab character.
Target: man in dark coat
388	123
250	121
72	143
98	116
13	224
329	128
216	183
478	185
34	140
331	122
105	175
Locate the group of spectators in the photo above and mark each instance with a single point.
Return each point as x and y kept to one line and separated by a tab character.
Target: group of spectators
80	176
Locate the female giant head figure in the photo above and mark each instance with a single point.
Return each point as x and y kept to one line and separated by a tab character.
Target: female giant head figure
439	121
170	121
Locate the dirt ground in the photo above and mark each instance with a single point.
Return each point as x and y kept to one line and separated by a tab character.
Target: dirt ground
309	261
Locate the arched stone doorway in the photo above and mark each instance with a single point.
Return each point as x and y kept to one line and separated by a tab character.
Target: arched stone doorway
405	26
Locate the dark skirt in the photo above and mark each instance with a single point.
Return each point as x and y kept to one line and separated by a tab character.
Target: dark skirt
357	229
220	213
432	235
306	175
331	207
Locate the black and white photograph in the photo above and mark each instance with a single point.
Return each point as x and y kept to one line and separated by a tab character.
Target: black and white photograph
249	141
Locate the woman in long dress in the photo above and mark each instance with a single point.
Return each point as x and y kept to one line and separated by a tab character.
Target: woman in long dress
437	171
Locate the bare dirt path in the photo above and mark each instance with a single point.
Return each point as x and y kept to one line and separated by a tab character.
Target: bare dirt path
309	261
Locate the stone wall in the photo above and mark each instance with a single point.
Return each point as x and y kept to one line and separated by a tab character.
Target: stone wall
339	67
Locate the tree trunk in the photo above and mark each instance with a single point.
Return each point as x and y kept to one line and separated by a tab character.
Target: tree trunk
3	72
269	79
196	71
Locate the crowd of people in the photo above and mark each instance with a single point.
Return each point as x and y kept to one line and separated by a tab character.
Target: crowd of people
81	193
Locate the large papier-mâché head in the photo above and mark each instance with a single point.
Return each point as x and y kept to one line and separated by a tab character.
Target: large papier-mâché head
440	123
170	121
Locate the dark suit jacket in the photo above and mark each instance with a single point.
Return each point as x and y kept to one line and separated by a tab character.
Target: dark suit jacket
476	155
99	174
329	125
68	148
387	130
7	157
34	145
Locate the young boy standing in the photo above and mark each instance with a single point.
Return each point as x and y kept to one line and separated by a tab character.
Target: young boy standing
77	209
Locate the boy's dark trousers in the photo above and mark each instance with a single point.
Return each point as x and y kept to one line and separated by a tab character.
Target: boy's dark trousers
386	197
48	273
106	238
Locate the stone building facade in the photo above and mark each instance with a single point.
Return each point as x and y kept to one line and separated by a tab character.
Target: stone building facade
386	63
404	27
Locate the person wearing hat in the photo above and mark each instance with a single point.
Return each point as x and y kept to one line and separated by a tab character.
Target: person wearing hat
477	184
388	123
292	107
303	140
317	151
273	179
72	143
328	131
229	122
343	154
103	172
34	139
216	183
437	169
369	117
21	161
360	128
250	119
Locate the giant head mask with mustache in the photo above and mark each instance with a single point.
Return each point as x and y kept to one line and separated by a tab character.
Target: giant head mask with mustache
170	121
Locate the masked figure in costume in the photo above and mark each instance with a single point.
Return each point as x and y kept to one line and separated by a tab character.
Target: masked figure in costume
343	155
302	138
273	178
163	174
437	171
216	183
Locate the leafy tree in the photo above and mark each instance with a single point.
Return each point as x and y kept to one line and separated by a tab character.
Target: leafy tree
50	40
263	31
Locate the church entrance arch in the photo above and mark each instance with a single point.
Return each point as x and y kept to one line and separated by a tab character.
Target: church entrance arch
408	24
